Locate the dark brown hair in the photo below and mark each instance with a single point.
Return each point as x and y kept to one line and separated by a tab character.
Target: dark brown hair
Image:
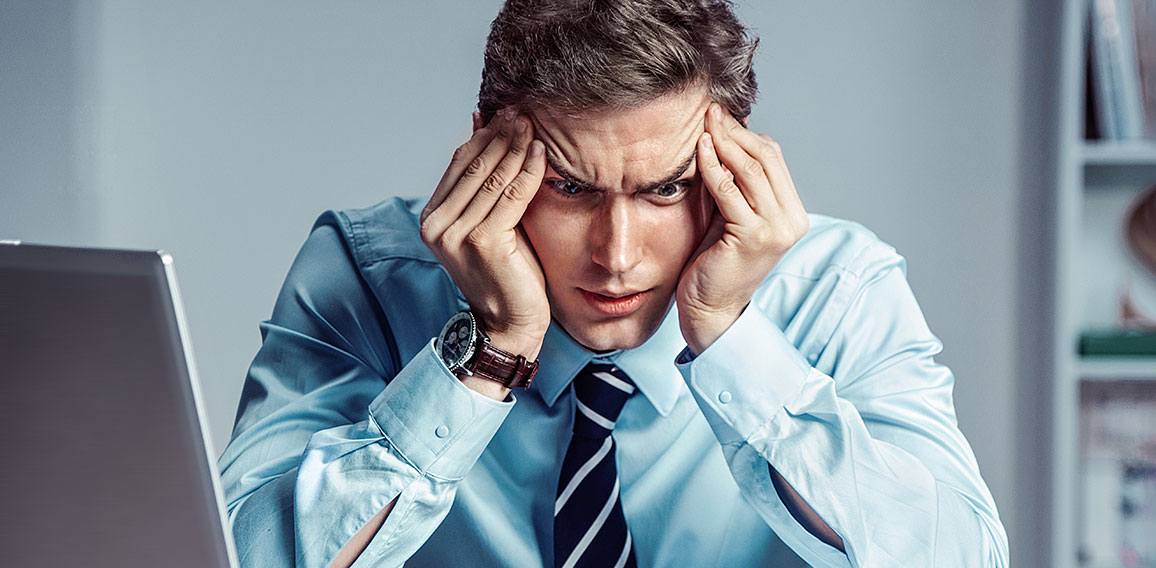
579	55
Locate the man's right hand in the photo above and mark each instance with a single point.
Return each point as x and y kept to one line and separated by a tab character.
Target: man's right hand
471	225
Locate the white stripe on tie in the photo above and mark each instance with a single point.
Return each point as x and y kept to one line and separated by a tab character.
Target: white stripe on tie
593	530
581	474
615	382
625	553
594	416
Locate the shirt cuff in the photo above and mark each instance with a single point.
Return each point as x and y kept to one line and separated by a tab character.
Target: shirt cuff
745	377
433	420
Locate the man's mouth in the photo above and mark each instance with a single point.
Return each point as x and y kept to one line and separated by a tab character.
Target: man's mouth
614	303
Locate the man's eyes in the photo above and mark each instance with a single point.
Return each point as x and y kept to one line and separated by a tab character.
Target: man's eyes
566	188
672	189
666	192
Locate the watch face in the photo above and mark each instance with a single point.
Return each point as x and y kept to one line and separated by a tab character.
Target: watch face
456	343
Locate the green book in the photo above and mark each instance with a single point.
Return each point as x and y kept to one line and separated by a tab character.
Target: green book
1118	342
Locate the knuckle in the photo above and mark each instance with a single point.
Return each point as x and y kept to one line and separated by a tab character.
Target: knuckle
752	167
804	225
517	150
476	238
516	191
477	167
764	235
450	239
492	184
427	233
461	153
770	151
727	186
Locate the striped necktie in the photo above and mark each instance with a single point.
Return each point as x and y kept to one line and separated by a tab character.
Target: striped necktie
589	528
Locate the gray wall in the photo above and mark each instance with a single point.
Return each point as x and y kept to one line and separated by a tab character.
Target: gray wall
219	131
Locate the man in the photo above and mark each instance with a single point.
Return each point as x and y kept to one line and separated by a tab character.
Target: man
716	378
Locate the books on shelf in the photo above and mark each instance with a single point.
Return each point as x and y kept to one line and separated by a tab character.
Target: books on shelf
1118	342
1122	73
1118	473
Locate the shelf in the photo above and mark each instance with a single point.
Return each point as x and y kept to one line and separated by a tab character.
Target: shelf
1126	153
1121	166
1138	368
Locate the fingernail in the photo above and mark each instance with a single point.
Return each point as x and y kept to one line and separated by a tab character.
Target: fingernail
715	112
521	126
509	116
706	141
536	148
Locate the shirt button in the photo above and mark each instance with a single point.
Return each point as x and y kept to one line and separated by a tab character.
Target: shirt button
442	431
724	397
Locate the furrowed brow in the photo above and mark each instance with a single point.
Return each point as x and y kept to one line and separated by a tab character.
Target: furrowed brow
567	174
673	176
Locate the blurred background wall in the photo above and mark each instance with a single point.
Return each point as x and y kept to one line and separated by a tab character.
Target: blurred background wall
219	131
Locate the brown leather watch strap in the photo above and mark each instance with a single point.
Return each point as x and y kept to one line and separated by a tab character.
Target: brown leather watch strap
513	371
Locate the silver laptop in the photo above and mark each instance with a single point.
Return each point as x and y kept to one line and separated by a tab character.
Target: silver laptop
104	452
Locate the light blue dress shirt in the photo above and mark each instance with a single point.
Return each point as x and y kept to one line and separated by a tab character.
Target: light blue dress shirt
829	375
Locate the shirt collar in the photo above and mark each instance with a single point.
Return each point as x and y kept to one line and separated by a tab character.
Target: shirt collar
650	365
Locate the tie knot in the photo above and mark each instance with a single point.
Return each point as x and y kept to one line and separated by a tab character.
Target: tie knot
601	391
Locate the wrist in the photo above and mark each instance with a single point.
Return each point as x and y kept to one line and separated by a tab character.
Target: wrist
520	338
701	331
484	387
526	344
471	353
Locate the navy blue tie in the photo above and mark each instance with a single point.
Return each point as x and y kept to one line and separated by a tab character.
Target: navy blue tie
589	528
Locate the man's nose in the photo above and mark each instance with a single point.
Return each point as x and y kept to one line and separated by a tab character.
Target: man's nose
616	239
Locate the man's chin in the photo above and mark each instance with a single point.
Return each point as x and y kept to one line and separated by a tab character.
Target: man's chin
624	333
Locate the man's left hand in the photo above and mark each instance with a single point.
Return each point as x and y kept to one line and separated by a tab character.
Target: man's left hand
759	216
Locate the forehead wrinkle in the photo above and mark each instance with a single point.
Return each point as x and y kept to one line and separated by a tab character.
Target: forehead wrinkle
626	149
562	171
555	156
673	175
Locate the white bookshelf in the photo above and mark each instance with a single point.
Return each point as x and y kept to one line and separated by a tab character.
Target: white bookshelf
1117	369
1095	182
1132	154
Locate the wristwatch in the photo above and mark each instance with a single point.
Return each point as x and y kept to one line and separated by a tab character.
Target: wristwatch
463	347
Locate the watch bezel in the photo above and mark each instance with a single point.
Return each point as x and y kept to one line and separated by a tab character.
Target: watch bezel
471	340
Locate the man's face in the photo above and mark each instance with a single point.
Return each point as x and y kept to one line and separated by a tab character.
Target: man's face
619	213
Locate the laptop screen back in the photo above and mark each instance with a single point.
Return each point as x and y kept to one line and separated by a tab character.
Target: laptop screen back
103	453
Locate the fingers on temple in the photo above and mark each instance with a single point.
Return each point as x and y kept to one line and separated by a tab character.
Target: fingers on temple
460	160
498	182
471	165
720	183
516	196
769	154
749	173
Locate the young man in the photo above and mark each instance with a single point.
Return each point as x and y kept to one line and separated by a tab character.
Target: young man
706	374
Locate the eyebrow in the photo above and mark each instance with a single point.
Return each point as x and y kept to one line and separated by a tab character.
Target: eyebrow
673	176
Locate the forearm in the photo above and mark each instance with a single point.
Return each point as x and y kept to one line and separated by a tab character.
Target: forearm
803	513
840	497
356	545
903	485
422	434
